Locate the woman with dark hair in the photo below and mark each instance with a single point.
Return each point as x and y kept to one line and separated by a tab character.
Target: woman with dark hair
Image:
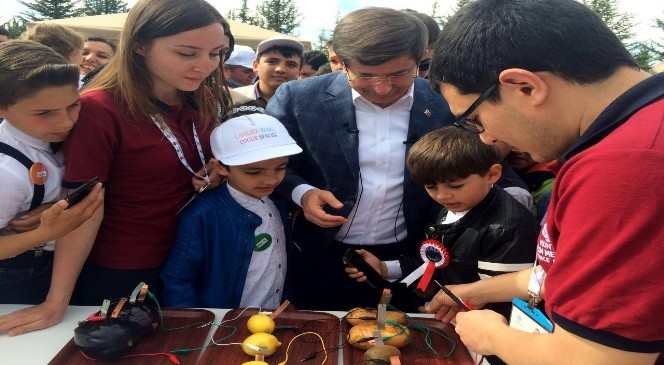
144	132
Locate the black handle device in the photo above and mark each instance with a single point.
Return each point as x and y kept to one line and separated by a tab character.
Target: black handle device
81	192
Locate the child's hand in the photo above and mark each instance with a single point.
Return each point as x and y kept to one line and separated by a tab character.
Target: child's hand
28	221
215	178
57	220
373	261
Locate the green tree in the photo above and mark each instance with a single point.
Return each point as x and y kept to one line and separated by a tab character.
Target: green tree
435	14
15	26
460	4
51	9
242	14
99	7
324	36
620	23
643	55
279	15
658	45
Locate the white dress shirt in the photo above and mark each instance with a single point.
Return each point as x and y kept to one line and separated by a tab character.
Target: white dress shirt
16	189
377	216
264	284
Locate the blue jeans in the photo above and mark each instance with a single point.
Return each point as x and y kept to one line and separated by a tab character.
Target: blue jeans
25	279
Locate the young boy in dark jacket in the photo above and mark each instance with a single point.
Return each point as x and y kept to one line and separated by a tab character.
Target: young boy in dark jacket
485	230
230	249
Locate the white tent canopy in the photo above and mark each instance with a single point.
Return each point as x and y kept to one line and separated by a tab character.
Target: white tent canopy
109	26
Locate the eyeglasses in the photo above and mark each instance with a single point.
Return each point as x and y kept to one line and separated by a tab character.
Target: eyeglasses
470	124
377	79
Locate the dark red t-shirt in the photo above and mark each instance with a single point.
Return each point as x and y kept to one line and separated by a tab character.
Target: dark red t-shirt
145	181
603	242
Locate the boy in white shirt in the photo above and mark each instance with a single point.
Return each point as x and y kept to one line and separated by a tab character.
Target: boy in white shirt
39	105
230	249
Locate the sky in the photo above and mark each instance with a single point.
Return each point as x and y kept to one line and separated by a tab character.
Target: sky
317	15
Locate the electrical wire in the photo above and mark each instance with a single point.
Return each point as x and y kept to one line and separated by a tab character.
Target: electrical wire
356	206
322	342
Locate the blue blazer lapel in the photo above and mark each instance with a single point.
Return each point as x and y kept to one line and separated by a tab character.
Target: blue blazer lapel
340	112
424	112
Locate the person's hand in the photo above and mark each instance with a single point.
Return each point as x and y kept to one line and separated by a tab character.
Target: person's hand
34	318
444	308
215	178
28	221
373	261
57	220
475	329
312	206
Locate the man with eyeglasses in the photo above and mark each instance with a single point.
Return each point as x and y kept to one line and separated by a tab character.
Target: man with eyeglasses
549	78
356	127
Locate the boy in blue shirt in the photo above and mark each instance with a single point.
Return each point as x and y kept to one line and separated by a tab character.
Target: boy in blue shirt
230	249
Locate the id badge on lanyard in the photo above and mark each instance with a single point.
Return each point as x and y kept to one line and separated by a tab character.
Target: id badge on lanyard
525	315
170	136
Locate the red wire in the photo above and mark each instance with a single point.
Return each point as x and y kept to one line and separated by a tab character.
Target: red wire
172	358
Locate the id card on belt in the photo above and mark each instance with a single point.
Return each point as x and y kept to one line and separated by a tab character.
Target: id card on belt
527	319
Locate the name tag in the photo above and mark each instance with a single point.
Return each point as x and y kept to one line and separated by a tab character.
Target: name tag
527	319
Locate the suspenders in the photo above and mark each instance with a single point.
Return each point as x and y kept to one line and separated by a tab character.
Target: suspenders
38	194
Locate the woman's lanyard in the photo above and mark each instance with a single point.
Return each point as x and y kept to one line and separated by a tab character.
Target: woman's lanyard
170	136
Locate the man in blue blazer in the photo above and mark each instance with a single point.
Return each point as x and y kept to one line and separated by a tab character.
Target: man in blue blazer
356	127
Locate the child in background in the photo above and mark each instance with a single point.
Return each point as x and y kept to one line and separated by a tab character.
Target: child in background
539	177
230	249
510	181
278	60
40	103
486	231
61	39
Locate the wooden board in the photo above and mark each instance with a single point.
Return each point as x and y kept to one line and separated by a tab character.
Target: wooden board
289	324
160	341
416	353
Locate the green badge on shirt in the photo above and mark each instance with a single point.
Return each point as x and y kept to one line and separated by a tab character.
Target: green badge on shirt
262	242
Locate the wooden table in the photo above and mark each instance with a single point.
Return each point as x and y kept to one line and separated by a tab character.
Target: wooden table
40	347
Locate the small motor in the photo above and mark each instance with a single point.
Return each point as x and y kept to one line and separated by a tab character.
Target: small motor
109	336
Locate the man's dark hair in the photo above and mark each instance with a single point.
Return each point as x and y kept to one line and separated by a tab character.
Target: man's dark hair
448	154
315	59
323	70
373	36
103	40
287	52
5	32
563	37
433	29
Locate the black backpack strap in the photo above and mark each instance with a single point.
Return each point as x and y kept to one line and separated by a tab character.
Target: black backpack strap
38	190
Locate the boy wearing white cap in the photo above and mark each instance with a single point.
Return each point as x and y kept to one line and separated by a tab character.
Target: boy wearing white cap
278	60
239	67
230	249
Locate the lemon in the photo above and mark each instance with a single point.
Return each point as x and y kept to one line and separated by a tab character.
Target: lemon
260	323
255	363
260	344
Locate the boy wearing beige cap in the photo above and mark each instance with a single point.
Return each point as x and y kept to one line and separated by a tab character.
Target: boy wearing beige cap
278	60
230	249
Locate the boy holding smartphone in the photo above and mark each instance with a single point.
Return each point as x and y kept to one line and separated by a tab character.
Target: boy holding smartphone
39	104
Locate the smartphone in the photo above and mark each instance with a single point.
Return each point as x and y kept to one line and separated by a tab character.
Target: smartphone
352	258
78	194
343	211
